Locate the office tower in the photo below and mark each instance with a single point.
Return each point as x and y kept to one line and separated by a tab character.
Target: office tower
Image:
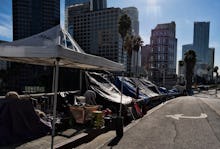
164	54
97	32
204	54
185	48
132	12
135	60
146	52
34	16
94	5
98	5
31	17
73	2
201	40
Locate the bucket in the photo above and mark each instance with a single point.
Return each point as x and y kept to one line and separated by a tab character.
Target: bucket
98	121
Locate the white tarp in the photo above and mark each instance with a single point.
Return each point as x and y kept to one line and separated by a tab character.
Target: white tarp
44	48
106	89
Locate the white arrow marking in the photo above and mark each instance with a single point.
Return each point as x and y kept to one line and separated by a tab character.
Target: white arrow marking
178	116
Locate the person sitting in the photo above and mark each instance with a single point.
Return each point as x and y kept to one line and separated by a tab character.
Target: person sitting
90	97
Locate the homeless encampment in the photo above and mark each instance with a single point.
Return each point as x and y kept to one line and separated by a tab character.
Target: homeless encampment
19	122
131	85
108	94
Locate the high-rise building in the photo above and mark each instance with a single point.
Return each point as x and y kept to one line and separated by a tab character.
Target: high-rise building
94	5
146	52
98	5
31	17
201	40
97	32
164	54
135	60
204	54
73	2
34	16
132	12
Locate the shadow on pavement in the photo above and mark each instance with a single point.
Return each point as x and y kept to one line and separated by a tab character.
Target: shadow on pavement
92	134
115	141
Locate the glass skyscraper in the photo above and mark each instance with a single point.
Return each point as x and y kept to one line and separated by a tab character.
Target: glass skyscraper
201	40
73	2
204	54
31	17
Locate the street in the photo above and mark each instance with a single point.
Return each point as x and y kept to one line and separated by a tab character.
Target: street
190	122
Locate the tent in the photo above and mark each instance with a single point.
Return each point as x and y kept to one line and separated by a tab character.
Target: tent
106	89
50	46
129	89
54	47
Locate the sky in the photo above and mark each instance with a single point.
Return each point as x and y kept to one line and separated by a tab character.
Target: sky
151	13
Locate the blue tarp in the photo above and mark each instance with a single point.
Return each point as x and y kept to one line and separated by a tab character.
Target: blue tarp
130	88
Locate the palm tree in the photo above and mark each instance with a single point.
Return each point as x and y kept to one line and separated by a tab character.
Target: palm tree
124	28
128	46
132	43
216	71
137	42
190	61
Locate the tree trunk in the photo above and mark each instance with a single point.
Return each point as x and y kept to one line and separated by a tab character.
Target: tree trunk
189	75
137	64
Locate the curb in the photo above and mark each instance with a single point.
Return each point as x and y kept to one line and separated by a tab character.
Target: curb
106	137
132	124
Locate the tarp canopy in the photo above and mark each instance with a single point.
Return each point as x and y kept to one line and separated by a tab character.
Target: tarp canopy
46	47
54	47
106	89
150	85
143	88
129	89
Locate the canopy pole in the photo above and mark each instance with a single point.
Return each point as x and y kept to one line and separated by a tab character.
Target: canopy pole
55	101
53	84
122	79
80	81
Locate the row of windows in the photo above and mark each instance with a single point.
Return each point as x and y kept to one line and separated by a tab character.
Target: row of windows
110	13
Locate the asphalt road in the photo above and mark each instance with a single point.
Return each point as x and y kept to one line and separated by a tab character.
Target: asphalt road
183	123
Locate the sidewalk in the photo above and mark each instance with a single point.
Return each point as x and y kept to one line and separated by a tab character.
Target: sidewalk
78	138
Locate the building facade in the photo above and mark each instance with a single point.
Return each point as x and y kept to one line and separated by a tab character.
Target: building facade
146	52
201	40
204	55
94	5
132	12
162	64
134	63
97	31
31	17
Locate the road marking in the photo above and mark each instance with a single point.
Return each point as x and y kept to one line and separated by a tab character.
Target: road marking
178	116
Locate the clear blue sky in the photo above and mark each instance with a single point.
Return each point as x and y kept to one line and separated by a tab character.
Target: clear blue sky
151	13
